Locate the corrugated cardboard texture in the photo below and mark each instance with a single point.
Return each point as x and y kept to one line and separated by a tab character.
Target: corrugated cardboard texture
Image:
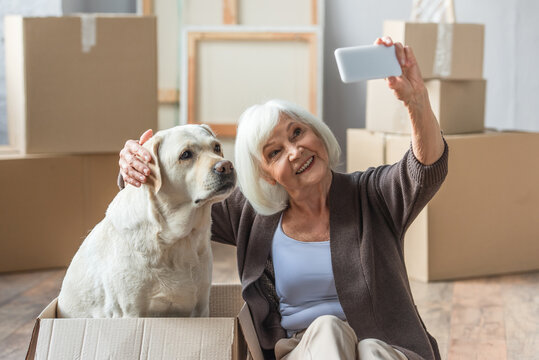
186	338
483	220
66	99
459	107
465	53
142	338
49	203
225	300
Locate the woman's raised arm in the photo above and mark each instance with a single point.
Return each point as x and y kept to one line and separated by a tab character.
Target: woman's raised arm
427	142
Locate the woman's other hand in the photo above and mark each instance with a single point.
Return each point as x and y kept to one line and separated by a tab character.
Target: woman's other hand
133	160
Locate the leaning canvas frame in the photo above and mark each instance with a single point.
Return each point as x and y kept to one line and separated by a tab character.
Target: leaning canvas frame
195	35
231	10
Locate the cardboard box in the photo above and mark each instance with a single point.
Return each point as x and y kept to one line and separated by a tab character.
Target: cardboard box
49	203
79	84
459	106
483	220
217	337
449	51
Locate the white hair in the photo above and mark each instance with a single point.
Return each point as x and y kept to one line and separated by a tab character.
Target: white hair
254	128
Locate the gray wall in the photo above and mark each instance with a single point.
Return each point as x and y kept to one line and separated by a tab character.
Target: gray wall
115	6
511	53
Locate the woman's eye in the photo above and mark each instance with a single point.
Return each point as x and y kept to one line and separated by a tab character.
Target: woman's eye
187	154
217	148
297	132
272	154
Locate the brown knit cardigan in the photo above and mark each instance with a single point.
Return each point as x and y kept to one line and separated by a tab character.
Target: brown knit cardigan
369	214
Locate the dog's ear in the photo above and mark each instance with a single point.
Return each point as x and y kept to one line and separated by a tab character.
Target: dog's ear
208	129
155	166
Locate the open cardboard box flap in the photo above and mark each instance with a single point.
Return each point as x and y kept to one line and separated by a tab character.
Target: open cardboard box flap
226	334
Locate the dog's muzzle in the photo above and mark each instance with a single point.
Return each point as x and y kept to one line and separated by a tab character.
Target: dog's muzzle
226	176
223	167
223	179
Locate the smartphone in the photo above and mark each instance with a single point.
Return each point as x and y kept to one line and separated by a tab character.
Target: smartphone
360	63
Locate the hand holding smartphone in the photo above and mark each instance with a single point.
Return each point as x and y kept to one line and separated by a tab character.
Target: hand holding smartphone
360	63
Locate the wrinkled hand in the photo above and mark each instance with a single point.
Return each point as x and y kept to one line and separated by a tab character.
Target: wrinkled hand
427	141
133	160
408	87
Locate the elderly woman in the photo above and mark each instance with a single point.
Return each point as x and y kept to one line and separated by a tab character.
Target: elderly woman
320	254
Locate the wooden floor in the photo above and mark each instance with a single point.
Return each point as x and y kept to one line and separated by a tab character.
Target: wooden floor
487	318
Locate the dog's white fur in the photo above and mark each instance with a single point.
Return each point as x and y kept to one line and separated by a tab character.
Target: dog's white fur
151	254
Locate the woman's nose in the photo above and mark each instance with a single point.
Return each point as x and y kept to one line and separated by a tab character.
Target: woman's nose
295	152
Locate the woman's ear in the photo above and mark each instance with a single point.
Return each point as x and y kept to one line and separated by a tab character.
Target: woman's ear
267	178
154	164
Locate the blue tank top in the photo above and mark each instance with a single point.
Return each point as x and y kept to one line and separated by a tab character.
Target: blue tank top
304	281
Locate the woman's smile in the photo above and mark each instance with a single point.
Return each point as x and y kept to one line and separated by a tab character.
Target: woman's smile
295	149
306	166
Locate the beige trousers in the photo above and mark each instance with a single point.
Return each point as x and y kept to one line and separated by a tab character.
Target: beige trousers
328	337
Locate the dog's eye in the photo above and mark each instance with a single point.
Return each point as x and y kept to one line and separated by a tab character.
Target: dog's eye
186	155
217	148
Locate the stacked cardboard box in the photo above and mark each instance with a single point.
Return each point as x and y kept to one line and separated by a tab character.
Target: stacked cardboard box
79	84
77	88
483	220
450	57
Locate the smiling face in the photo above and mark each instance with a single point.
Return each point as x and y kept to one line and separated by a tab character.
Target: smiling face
294	156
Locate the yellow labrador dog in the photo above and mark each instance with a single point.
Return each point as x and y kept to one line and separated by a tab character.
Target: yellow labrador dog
151	255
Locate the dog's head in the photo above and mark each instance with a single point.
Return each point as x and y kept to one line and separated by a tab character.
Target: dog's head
188	166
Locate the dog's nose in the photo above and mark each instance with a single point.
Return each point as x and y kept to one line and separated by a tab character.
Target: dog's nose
223	167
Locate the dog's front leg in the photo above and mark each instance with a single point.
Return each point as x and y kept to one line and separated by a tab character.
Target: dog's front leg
202	308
